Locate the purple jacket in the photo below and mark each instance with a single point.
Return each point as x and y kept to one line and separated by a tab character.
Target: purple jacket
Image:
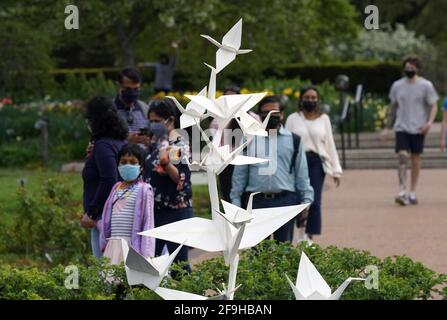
143	220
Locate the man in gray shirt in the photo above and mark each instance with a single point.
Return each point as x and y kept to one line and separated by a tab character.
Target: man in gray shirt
412	112
164	71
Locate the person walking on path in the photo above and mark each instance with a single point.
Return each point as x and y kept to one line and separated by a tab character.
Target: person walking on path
284	179
412	112
444	125
100	172
315	130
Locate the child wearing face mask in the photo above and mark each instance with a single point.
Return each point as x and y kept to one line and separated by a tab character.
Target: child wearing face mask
129	209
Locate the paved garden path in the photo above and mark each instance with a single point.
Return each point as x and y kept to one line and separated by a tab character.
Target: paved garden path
361	214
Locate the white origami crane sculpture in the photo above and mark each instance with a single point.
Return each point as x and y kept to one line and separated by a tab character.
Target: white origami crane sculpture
170	294
230	46
310	285
193	113
149	272
250	126
209	235
224	108
236	229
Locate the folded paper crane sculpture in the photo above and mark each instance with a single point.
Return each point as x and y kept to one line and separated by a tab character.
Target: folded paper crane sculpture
193	113
310	285
170	294
209	235
236	228
149	272
230	46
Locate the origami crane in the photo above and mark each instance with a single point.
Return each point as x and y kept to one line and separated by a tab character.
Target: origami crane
209	235
149	272
251	126
230	46
227	107
193	113
170	294
310	285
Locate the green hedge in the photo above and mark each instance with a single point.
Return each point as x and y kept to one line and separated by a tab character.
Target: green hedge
261	273
376	77
20	141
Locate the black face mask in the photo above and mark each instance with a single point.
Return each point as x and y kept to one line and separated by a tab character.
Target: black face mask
130	95
309	106
410	73
273	123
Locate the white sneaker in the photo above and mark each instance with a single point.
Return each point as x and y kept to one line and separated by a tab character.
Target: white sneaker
402	200
302	234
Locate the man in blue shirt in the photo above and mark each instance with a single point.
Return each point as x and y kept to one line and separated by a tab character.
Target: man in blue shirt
284	179
131	111
444	125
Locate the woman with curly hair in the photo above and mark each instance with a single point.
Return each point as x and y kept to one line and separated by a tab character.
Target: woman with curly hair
108	133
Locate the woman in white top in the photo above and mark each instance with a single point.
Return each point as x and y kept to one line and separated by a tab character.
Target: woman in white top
315	130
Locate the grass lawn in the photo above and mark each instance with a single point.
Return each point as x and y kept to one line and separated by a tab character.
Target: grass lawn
9	182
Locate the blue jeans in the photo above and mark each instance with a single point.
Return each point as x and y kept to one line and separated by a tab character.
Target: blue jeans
285	233
166	216
96	249
316	176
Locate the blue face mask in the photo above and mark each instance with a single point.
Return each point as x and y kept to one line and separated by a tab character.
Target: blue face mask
159	130
129	172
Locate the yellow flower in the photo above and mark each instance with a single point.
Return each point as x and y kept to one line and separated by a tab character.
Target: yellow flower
245	91
287	91
297	94
160	95
218	93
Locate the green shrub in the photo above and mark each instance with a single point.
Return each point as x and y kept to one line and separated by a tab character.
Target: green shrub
375	76
261	273
47	223
21	142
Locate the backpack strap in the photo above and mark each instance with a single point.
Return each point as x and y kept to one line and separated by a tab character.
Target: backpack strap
296	146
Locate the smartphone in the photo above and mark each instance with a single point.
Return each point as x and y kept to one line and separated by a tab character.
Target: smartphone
145	132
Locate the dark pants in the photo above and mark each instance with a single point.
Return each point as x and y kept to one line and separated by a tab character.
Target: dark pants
225	181
285	233
316	176
166	216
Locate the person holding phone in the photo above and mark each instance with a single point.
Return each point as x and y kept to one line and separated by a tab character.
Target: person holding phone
168	173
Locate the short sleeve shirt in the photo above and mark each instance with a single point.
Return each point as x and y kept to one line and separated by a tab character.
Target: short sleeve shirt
444	105
413	103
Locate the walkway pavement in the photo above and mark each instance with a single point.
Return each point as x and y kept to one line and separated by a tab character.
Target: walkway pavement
361	214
